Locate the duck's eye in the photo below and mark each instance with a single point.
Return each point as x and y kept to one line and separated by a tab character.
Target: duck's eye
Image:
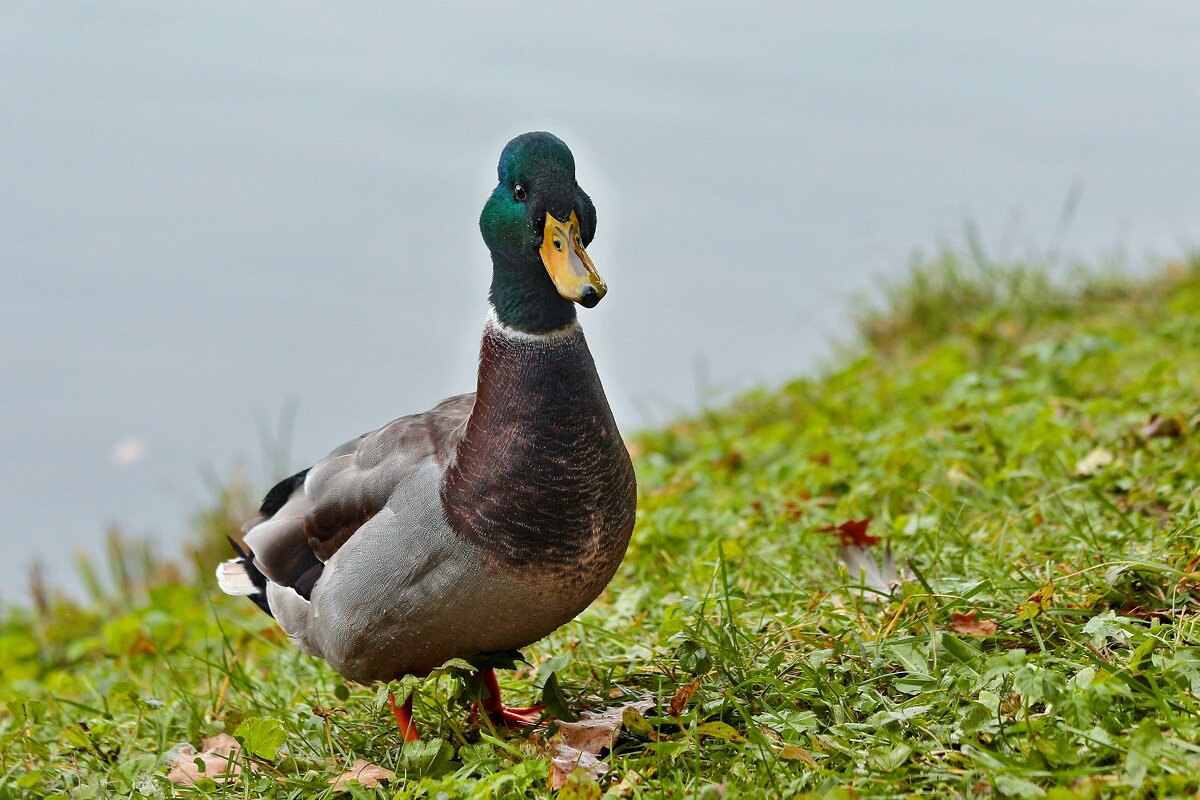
558	245
519	192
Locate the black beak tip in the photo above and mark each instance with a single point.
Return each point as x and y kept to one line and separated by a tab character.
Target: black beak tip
590	297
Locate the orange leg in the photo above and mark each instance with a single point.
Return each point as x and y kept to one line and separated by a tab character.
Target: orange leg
502	714
408	728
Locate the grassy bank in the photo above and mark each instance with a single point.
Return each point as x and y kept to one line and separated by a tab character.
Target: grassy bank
1029	451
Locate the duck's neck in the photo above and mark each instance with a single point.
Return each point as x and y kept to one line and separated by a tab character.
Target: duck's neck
524	297
541	477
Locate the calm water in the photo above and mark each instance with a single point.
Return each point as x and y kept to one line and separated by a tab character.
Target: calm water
209	214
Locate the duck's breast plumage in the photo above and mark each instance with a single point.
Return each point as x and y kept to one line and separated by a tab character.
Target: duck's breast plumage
542	480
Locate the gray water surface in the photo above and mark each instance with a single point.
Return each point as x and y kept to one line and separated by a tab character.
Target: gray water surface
210	213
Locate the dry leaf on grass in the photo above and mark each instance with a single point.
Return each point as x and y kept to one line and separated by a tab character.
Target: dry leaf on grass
577	745
1093	462
625	787
852	532
364	772
968	624
683	697
791	752
217	753
1170	427
1038	602
567	760
596	731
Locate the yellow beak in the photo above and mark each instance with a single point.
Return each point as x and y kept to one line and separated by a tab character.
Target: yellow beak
569	265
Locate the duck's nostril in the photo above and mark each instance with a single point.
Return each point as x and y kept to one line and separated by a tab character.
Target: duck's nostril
589	298
558	245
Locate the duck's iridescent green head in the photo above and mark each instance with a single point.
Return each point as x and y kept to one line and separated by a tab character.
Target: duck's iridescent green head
537	223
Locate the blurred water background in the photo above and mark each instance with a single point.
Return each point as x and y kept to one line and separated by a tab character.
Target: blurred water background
213	216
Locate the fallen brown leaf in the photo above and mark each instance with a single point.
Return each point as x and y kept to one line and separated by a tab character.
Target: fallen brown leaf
142	646
364	772
577	745
1093	462
217	753
852	532
791	752
1191	576
969	625
625	786
683	696
596	731
567	759
1159	425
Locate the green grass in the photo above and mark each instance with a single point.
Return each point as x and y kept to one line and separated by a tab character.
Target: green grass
993	427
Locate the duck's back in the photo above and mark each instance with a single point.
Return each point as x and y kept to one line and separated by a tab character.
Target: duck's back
306	519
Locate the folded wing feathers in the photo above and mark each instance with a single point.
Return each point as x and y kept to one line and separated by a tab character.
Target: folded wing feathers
341	491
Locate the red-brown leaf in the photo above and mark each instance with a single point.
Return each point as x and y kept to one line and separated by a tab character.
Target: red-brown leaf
852	532
969	625
683	696
577	745
596	731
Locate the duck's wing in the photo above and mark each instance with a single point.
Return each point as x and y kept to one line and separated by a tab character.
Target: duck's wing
308	517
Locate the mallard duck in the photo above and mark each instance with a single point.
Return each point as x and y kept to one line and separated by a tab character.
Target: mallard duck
482	525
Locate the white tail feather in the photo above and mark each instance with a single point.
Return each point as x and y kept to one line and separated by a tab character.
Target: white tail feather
873	579
232	578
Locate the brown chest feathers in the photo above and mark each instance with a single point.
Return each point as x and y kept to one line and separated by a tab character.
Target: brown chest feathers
541	479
